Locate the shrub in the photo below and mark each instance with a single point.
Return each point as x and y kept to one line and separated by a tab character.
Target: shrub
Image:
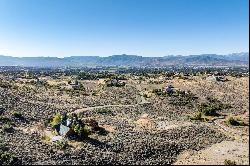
235	122
7	127
196	116
17	115
3	146
4	119
7	159
46	138
229	162
1	110
62	144
56	120
209	108
46	123
82	131
182	101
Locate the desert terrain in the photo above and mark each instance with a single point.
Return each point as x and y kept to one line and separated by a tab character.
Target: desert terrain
139	125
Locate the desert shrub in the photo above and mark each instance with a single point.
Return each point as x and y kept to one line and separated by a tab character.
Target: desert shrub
1	110
229	162
4	119
182	101
234	122
3	146
104	112
93	124
46	138
56	120
209	108
17	115
46	123
82	131
7	127
62	144
7	158
196	116
158	92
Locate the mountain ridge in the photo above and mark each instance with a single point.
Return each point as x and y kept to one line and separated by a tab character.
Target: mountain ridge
234	59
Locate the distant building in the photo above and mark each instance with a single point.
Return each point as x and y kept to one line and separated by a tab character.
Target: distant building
216	78
114	82
41	82
169	89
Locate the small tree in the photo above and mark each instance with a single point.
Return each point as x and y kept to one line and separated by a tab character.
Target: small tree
82	131
56	120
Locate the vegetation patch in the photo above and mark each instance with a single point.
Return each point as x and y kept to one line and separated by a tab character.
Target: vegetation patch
72	127
198	116
183	98
6	158
17	115
235	122
8	127
211	107
229	162
63	144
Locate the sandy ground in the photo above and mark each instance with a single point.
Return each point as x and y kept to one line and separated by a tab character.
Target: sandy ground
217	154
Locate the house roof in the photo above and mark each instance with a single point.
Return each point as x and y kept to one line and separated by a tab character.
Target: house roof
63	130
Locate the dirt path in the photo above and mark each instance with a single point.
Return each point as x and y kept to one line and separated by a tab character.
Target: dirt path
99	107
140	97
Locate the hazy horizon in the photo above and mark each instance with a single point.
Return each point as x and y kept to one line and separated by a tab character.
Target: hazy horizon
124	54
62	28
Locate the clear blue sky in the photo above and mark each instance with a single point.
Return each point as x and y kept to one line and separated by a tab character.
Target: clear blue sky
106	27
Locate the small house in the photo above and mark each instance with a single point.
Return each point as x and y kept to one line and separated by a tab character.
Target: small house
216	78
112	82
169	89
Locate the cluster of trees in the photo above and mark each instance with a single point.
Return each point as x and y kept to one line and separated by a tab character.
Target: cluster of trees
80	128
211	107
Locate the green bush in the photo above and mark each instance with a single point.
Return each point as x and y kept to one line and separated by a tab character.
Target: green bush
196	116
7	159
56	120
17	115
4	119
7	127
229	162
235	122
62	144
209	108
46	123
182	101
81	131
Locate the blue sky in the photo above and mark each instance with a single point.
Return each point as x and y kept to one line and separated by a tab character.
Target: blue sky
106	27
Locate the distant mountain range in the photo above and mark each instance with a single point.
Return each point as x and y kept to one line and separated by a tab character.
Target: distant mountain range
235	59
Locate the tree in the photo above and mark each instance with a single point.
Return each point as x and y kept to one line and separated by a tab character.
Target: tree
56	120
